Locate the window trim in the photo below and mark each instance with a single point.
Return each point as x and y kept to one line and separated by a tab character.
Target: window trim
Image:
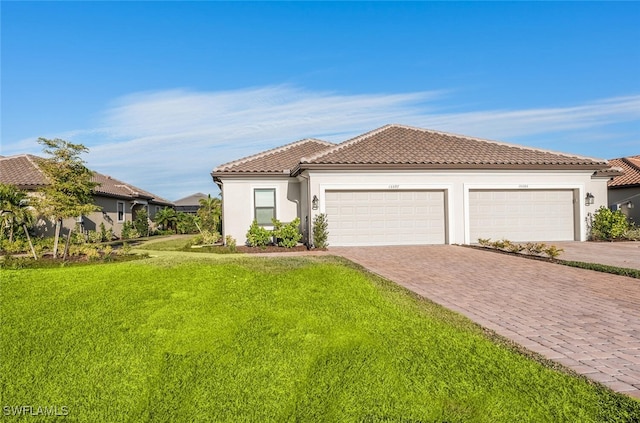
274	207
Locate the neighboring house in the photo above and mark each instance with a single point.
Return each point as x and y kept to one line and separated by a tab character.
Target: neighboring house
399	185
189	204
624	190
118	200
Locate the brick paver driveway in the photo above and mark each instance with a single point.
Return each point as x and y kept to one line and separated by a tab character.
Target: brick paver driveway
621	254
586	320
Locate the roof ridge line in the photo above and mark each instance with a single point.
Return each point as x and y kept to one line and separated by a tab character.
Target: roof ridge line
519	146
433	131
270	151
346	143
630	163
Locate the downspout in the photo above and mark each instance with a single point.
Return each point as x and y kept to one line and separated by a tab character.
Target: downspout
219	184
307	218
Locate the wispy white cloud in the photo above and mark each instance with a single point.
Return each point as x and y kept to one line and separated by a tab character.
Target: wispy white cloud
168	142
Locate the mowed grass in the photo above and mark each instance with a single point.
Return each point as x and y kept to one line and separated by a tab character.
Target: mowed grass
263	339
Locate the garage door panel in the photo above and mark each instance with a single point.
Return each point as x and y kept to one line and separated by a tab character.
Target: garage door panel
521	215
385	218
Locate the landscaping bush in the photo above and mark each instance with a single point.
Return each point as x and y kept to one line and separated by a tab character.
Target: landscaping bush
206	238
608	225
231	243
530	248
320	232
141	223
128	231
287	235
257	236
632	233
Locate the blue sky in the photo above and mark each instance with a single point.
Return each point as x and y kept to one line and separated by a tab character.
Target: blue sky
162	92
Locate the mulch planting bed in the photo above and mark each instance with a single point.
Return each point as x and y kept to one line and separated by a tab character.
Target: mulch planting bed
270	249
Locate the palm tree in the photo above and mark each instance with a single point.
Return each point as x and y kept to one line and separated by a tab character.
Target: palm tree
14	212
166	218
210	212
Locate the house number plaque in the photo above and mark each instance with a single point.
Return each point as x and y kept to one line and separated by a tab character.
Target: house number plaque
394	186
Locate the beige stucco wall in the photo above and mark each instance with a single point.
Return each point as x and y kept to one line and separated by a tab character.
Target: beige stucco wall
108	214
457	185
293	199
238	203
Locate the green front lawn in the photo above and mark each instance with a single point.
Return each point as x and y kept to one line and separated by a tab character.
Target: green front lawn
258	339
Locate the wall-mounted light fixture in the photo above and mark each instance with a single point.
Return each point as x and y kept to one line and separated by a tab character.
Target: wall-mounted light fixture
630	205
589	199
314	202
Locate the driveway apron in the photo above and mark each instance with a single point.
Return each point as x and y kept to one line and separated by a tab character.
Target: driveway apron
586	320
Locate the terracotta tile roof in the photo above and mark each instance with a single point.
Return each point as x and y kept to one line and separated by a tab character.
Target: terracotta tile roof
409	146
279	160
631	168
23	172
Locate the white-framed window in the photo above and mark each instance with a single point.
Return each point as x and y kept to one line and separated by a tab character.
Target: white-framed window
120	211
264	200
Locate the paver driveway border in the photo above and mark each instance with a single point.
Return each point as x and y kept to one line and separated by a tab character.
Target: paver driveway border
586	320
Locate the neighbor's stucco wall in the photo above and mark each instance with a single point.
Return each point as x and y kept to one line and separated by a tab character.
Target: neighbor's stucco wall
457	184
238	203
620	197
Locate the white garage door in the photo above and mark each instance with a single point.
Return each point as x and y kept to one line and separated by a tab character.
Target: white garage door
521	215
385	217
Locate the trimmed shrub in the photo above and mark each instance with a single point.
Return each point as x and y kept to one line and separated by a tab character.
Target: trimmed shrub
320	232
287	235
257	236
608	225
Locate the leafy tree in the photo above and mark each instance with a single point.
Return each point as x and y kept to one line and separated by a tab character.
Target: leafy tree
166	218
70	188
210	213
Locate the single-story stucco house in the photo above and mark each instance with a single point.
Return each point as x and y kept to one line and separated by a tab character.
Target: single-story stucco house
118	200
624	190
190	204
401	185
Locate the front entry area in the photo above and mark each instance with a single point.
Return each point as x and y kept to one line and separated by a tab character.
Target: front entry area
381	217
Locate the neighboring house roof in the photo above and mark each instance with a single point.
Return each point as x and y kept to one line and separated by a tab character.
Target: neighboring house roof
399	145
23	171
631	176
191	200
281	160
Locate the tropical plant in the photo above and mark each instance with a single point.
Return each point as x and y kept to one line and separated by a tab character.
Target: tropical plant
187	223
70	188
15	213
210	213
166	218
